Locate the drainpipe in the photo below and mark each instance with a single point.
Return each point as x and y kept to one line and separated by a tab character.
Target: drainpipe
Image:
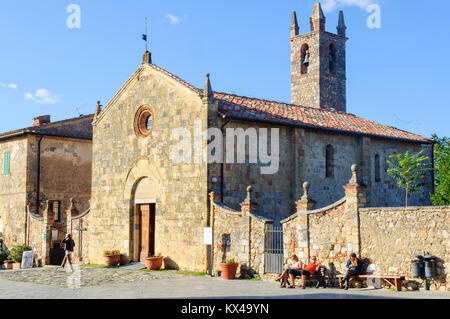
38	178
433	181
222	172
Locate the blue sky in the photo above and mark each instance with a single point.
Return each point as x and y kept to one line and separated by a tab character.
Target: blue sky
398	75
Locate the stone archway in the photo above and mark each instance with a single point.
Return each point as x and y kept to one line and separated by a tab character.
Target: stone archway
142	187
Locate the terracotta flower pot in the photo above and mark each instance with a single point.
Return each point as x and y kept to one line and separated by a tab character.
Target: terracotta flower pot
229	270
112	260
17	266
154	263
9	266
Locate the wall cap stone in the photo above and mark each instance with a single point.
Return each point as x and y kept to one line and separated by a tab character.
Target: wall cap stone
34	214
227	210
316	211
82	214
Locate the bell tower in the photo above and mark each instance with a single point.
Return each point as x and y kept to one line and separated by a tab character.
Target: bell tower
318	76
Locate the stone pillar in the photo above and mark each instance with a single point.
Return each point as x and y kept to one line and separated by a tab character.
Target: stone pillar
355	196
47	214
71	212
248	207
355	192
305	204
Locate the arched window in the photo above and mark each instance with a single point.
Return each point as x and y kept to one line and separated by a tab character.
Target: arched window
305	59
332	58
377	169
329	161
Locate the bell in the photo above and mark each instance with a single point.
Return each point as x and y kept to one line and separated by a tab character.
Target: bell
306	60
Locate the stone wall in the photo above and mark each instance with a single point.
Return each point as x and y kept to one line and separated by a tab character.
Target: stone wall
303	158
391	236
238	235
274	192
65	172
13	196
385	237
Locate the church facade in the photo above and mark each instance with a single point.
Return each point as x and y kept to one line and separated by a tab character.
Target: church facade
143	203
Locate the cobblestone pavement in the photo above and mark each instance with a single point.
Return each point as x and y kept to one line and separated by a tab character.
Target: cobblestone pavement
82	276
132	283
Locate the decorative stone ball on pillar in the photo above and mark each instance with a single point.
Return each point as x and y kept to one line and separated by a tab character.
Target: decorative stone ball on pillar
306	202
354	178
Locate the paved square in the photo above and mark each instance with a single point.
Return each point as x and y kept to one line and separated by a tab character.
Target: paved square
135	283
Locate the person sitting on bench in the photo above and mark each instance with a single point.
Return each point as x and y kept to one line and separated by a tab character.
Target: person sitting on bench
307	272
354	268
285	275
295	268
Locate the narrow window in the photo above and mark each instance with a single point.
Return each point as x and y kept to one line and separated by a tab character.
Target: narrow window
329	161
305	59
56	208
332	58
6	162
377	169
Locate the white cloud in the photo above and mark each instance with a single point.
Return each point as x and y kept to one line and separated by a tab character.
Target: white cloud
172	19
43	96
331	5
8	86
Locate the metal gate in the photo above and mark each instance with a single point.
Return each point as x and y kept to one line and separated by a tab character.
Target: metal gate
273	249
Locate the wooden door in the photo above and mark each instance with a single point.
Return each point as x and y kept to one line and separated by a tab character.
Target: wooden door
146	215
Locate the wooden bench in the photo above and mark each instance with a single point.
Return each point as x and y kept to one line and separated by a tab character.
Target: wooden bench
395	281
310	280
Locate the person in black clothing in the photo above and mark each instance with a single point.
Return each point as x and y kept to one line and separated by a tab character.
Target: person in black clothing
69	245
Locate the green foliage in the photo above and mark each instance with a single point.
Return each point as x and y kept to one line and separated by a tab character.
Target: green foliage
3	256
111	252
231	261
409	171
441	196
16	252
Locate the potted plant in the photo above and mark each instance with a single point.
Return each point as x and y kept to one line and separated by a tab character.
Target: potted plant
154	262
112	257
16	255
9	263
229	269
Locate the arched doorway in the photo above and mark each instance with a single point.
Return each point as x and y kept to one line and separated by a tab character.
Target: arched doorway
144	214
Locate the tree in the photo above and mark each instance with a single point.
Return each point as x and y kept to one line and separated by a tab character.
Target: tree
409	171
441	196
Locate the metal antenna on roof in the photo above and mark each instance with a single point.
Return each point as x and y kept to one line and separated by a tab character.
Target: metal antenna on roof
78	109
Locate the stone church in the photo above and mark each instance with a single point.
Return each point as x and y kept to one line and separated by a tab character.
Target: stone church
143	204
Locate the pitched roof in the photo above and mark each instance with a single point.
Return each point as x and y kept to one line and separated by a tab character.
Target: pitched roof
254	109
77	127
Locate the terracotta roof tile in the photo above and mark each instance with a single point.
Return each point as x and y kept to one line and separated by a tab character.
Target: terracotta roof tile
247	108
251	109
